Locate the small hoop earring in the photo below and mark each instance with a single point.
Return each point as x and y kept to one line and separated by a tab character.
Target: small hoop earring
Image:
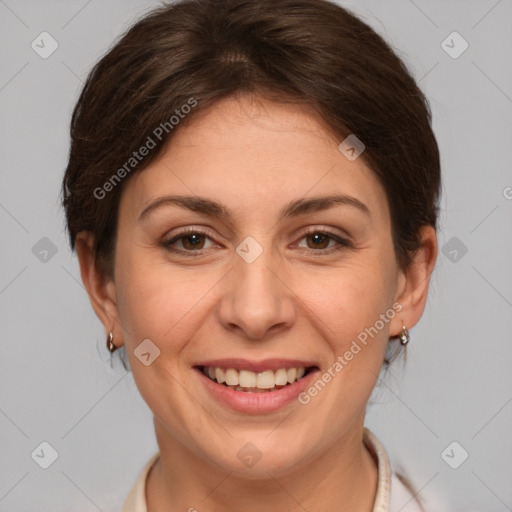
110	343
404	335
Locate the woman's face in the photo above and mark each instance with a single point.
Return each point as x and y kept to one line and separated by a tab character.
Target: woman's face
255	290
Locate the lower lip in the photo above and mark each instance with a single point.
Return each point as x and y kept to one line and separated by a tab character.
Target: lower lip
256	403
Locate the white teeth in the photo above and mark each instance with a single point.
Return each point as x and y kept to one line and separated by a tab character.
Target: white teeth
220	375
266	380
291	374
281	378
231	377
245	379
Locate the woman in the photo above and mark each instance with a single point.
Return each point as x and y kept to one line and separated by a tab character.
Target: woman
252	192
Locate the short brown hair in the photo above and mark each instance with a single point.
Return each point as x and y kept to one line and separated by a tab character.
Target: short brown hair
311	52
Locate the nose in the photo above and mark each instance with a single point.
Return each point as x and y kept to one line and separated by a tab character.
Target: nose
256	299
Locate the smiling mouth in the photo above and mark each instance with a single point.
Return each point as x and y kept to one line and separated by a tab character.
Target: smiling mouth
255	382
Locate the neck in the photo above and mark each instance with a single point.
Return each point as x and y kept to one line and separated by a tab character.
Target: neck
343	478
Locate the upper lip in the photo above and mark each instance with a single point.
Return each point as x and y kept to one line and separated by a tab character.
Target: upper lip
256	366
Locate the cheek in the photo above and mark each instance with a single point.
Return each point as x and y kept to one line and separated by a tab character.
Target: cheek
347	300
160	302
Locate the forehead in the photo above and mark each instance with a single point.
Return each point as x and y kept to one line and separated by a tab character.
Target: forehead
255	155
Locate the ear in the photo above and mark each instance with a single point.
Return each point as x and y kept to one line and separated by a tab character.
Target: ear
412	290
100	287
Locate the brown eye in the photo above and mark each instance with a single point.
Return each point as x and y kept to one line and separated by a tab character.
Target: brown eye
192	241
188	242
318	240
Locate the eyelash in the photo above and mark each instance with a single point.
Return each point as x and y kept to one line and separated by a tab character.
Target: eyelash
343	243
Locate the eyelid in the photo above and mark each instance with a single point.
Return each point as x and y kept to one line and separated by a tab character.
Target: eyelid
186	231
324	229
191	229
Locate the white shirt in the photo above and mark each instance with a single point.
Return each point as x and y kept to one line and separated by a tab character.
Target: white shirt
392	495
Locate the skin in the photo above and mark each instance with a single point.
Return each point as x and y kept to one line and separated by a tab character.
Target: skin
255	156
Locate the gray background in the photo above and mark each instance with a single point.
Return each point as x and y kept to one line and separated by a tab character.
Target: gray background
56	384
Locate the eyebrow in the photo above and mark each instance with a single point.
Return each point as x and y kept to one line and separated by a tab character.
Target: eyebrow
293	209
